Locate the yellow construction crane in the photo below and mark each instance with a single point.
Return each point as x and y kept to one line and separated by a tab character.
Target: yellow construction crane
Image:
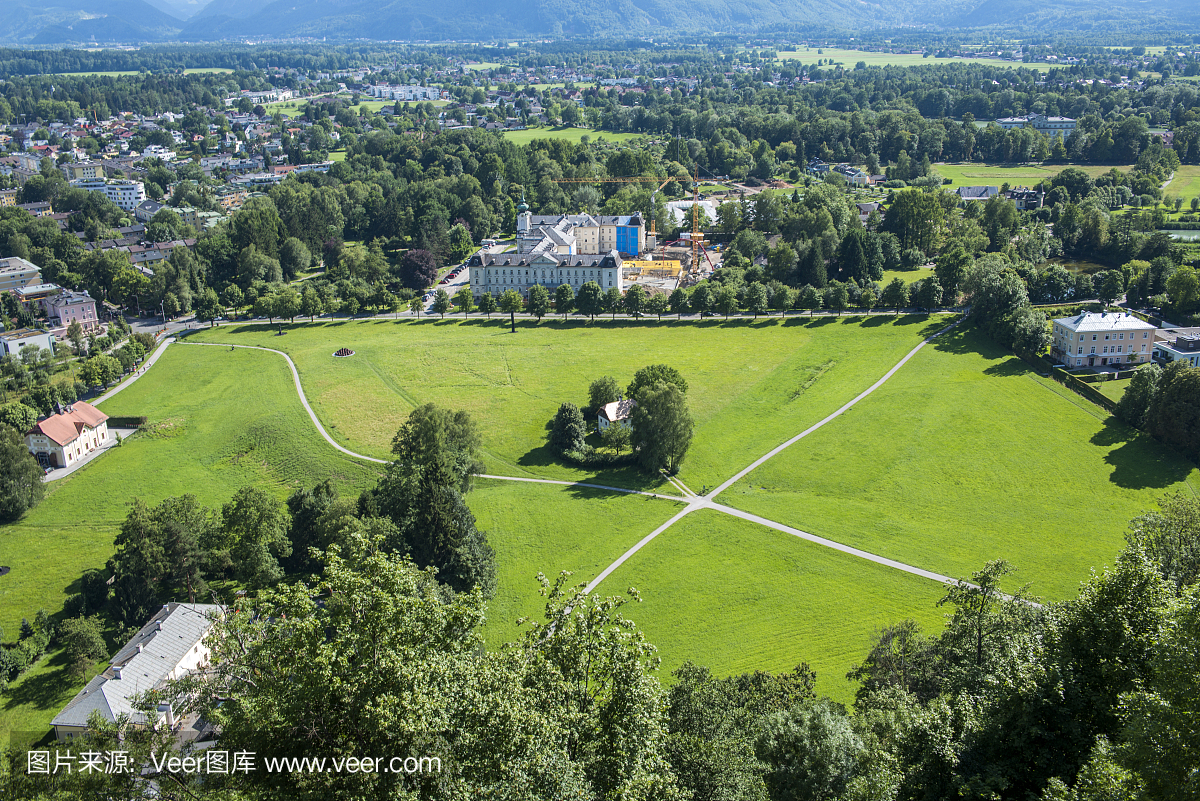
653	192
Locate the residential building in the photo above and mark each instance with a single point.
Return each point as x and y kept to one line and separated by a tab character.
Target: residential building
68	307
169	647
128	195
8	197
16	273
1099	339
1178	344
36	293
977	192
494	273
12	342
1051	126
64	438
82	169
407	93
616	413
38	209
146	210
1026	199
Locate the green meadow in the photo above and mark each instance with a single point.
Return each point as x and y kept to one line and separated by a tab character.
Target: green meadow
1012	174
752	384
964	455
967	455
738	597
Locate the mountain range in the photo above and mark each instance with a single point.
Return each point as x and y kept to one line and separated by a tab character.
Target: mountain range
127	21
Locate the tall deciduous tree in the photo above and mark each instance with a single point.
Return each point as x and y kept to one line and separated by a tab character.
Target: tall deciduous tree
662	427
21	485
590	300
564	299
511	303
418	269
539	301
441	303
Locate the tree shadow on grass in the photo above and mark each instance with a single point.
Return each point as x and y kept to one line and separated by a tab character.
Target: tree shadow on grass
876	321
43	691
541	456
1008	367
818	322
968	339
1139	462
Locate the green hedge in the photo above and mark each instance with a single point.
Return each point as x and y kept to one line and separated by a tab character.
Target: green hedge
1069	381
126	422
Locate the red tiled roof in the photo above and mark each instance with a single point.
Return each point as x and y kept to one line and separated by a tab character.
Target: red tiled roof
64	428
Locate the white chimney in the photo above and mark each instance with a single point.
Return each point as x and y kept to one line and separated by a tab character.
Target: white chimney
139	647
116	671
168	714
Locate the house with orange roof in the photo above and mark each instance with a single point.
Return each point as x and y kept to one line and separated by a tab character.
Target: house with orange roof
63	439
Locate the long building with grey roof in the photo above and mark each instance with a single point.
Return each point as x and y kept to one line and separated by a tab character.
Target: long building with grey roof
170	646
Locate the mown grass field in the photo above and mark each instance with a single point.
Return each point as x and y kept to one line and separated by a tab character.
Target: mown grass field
1013	175
545	528
527	135
967	455
849	58
752	384
738	597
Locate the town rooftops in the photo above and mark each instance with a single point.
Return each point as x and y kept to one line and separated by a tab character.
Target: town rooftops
144	663
1107	321
66	427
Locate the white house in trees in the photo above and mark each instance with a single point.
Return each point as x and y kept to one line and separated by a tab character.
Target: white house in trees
616	413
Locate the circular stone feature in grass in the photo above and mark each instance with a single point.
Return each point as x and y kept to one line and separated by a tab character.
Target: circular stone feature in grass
342	352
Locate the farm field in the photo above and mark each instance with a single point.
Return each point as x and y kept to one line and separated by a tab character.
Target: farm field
965	456
544	528
736	597
217	435
752	385
1014	175
848	58
527	135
